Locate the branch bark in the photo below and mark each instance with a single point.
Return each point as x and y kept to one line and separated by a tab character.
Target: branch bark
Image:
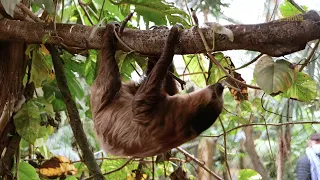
75	122
275	38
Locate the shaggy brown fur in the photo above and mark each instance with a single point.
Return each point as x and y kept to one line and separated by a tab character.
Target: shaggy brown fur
150	118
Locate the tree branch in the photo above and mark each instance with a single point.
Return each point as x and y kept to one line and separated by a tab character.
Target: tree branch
198	162
75	122
275	38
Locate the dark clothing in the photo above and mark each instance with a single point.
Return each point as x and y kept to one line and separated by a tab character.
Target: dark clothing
303	168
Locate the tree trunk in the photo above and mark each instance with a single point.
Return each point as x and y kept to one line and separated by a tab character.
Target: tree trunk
251	149
205	153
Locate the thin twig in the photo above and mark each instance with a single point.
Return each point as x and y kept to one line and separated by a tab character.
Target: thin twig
213	59
84	8
124	23
180	81
247	64
310	56
135	69
29	13
225	148
189	12
198	162
123	43
297	6
194	73
187	65
198	59
268	136
261	100
73	113
112	171
119	168
262	124
101	12
209	73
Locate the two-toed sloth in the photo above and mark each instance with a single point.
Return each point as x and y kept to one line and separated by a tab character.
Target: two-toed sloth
149	118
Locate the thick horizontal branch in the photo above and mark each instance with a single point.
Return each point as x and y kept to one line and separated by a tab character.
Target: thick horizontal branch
274	38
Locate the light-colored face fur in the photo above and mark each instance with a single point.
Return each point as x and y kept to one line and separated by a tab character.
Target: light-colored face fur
120	134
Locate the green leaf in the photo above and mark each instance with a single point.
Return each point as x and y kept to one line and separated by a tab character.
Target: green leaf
73	63
9	5
49	5
195	64
68	14
246	106
274	77
287	9
28	119
114	164
221	148
248	174
238	119
45	38
74	85
125	63
41	71
111	8
89	71
27	172
53	95
303	89
215	72
156	11
71	178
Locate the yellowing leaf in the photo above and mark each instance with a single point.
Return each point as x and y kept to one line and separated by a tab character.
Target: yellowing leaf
58	166
41	71
303	89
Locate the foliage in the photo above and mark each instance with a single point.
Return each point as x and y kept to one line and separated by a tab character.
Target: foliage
29	120
248	174
287	9
274	77
27	172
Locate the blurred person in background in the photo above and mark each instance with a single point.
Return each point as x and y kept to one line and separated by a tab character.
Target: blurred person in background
308	166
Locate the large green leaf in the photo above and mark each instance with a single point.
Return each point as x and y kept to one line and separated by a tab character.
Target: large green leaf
125	64
274	77
156	11
41	71
49	5
248	174
110	165
287	9
303	89
215	72
9	5
53	95
89	71
111	8
27	172
195	64
28	119
74	86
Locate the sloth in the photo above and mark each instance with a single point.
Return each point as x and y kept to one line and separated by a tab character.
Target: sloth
148	118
